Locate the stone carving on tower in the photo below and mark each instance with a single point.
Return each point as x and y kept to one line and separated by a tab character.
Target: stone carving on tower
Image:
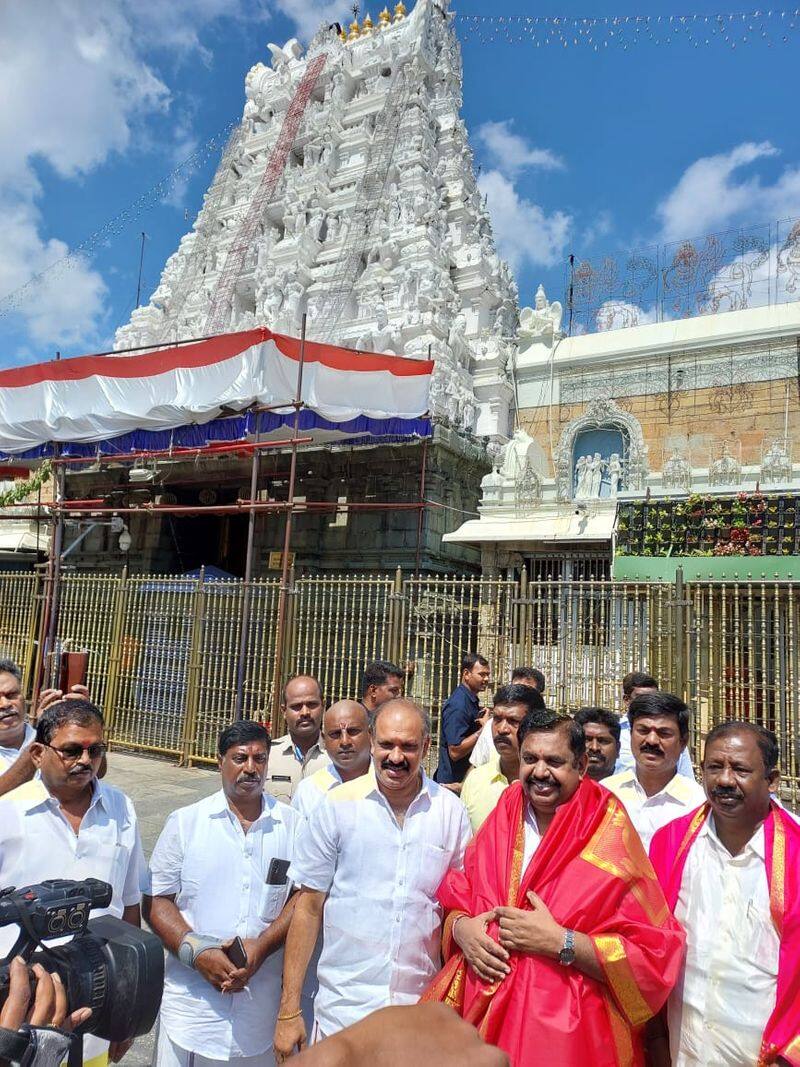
348	193
543	320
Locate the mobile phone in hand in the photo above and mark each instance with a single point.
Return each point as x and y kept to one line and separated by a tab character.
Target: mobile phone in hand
236	953
73	670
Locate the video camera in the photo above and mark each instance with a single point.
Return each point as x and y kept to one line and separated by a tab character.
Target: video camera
113	968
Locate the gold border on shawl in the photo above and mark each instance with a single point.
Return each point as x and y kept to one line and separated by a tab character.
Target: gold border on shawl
621	980
455	994
777	902
517	857
447	931
610	835
620	1031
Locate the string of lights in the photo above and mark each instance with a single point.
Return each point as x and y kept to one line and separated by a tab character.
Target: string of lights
119	222
599	33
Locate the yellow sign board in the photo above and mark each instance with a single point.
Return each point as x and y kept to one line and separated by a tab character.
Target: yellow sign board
275	562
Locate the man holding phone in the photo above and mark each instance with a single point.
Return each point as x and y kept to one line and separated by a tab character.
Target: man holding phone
16	733
219	899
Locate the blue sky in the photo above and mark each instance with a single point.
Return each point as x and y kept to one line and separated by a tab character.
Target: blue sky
579	151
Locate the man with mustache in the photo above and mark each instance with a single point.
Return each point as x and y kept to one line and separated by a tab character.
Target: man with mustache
558	941
484	785
635	685
601	730
731	875
298	753
219	872
484	750
653	792
368	869
74	826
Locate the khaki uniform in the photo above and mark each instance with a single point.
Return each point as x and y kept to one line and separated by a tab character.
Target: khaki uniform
285	771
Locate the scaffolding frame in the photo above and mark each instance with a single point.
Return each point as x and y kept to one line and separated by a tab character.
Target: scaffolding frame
61	507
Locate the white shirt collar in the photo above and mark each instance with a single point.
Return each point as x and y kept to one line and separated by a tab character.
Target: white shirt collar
530	818
218	804
756	846
675	787
426	788
99	796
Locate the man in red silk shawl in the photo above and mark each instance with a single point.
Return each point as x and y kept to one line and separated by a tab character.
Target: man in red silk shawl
559	942
731	875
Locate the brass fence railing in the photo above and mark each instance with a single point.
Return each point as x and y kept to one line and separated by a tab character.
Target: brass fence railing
164	649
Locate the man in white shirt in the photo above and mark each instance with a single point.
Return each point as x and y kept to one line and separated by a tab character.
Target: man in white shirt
653	792
484	750
74	826
634	685
218	882
345	734
299	753
368	871
731	874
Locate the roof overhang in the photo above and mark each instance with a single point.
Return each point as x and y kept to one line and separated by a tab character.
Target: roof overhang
546	528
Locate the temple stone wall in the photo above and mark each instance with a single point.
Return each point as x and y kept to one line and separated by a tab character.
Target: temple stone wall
749	417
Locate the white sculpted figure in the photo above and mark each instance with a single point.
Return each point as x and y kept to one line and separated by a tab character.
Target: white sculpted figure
457	340
614	474
515	456
290	318
544	319
383	337
582	475
595	468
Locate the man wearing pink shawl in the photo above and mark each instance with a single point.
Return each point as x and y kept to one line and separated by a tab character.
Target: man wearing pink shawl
731	874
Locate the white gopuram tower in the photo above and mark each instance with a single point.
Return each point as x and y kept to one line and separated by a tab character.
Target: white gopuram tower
348	192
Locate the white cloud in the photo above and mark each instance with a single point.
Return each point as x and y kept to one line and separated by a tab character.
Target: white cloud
525	233
711	194
76	86
176	25
509	153
309	15
62	314
601	226
72	85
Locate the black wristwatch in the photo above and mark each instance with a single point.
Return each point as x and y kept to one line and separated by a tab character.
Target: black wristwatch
566	956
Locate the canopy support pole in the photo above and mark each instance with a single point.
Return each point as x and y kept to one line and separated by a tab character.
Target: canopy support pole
247	591
283	592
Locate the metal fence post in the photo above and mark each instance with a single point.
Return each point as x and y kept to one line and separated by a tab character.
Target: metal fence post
287	645
394	626
115	653
679	643
34	624
193	671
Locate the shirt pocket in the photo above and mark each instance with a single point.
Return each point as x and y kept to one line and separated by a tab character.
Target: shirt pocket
108	861
273	898
434	862
758	940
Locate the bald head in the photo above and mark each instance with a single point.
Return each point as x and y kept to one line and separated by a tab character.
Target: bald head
341	708
345	732
402	707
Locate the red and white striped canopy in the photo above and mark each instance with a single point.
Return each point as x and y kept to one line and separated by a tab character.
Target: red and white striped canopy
97	398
